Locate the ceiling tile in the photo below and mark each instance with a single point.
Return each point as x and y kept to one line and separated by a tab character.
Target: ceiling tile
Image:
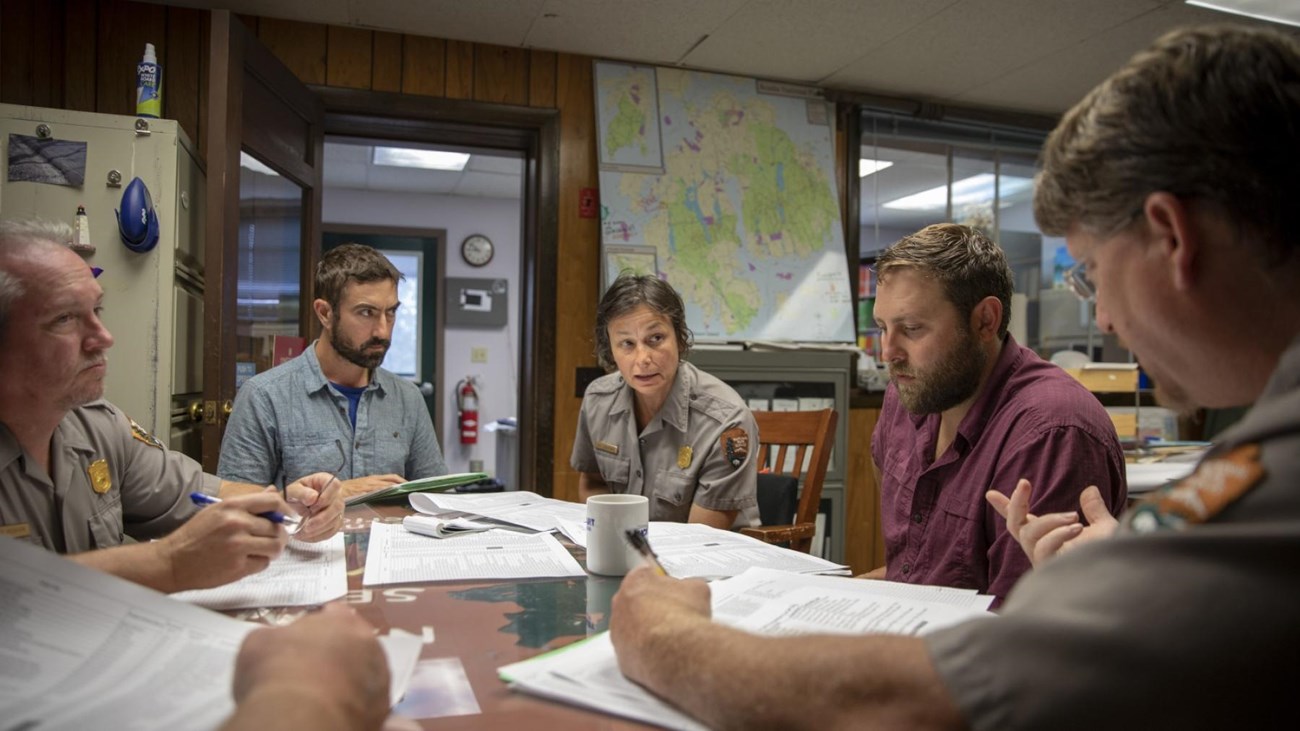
661	31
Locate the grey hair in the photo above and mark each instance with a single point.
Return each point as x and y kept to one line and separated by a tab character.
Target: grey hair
18	237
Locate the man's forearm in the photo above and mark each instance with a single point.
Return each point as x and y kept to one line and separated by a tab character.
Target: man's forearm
731	679
141	563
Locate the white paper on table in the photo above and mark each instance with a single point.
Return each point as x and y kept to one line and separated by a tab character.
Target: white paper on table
305	574
527	509
396	556
96	649
574	530
428	525
760	600
694	550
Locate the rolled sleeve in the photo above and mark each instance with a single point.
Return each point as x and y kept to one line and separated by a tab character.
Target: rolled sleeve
723	486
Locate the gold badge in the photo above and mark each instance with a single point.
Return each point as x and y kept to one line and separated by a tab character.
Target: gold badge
735	446
141	435
1216	484
607	447
684	457
16	530
100	481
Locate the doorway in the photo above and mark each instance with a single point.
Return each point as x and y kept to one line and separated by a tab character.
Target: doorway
417	203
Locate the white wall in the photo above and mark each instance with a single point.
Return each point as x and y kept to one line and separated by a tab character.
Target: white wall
499	220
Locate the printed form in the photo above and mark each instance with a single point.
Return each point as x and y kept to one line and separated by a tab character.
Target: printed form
516	508
305	574
89	650
397	556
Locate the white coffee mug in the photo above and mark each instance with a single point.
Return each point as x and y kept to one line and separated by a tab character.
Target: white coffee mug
608	518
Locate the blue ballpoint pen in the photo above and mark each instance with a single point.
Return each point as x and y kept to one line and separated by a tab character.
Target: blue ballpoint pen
291	522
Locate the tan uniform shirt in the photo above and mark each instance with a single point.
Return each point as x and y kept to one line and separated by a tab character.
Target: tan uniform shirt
109	479
699	449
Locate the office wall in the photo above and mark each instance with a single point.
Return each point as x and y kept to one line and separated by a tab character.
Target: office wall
496	218
81	54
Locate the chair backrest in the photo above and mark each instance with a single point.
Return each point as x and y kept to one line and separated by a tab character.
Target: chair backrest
798	443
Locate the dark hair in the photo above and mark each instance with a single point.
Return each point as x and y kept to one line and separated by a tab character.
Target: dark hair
351	263
626	294
1211	114
966	262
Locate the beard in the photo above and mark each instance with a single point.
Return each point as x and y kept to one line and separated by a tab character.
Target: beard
358	355
949	382
84	393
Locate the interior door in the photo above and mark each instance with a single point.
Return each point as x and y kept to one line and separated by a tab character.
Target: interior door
265	132
417	335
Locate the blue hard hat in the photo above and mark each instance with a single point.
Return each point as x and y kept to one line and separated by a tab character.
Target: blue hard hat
137	221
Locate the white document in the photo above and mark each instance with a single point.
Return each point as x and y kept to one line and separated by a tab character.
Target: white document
305	574
586	674
1147	477
516	508
777	603
574	530
761	601
693	550
84	649
397	556
427	525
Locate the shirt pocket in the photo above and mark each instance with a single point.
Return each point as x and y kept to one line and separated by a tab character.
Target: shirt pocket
106	524
306	454
614	470
673	493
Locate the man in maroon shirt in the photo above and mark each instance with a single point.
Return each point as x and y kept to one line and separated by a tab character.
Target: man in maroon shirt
970	410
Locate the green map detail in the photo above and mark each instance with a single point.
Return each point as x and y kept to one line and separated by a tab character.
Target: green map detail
625	129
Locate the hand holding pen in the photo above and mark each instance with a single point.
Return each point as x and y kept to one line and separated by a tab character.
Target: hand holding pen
292	523
642	546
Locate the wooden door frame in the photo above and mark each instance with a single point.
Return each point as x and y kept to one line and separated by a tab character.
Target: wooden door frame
236	57
535	133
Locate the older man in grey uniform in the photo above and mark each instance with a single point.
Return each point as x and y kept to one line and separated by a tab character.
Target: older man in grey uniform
659	426
77	475
1174	183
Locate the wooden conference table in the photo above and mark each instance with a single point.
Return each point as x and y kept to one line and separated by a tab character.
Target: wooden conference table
483	624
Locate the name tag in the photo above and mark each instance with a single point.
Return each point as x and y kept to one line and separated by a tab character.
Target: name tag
607	447
16	530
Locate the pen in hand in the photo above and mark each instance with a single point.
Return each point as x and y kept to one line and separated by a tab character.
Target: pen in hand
291	523
642	547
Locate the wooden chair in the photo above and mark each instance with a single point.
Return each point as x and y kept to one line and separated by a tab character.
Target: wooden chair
784	441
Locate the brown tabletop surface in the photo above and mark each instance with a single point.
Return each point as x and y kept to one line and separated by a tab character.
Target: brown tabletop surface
484	624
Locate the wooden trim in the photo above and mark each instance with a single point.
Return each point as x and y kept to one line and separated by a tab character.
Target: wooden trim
225	117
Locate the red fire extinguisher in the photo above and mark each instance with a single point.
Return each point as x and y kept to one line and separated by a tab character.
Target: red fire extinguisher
467	403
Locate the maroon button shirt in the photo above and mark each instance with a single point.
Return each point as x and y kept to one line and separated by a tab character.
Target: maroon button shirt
1031	420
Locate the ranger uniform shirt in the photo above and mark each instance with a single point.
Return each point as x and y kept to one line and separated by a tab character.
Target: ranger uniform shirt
699	449
109	479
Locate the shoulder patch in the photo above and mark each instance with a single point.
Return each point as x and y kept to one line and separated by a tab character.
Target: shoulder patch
735	446
141	435
1216	484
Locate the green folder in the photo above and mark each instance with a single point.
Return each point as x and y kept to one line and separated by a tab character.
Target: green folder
441	483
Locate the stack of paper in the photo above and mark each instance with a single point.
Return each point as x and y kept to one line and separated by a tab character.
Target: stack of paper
760	601
427	525
427	484
306	574
84	649
697	551
527	509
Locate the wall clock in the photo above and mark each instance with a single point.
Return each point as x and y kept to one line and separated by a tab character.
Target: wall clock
476	250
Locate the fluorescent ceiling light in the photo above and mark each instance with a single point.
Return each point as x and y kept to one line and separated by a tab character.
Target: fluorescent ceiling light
248	161
1286	12
867	166
975	189
406	157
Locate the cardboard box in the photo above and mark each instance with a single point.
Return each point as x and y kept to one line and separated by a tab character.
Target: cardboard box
1107	377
